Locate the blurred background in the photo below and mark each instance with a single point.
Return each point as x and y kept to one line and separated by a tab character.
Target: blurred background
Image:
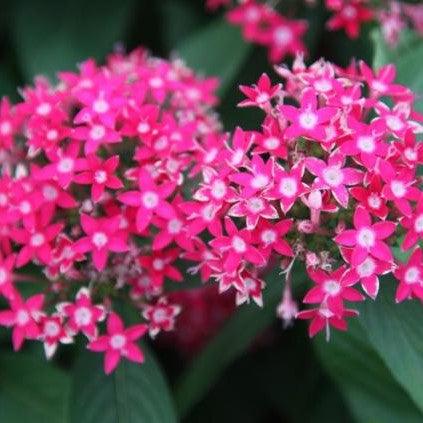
229	365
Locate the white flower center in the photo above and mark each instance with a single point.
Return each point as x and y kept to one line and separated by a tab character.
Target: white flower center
50	193
52	135
22	317
44	109
143	128
101	106
259	181
5	127
239	244
323	85
208	213
3	275
25	207
398	189
161	143
100	176
268	236
366	144
308	120
159	315
51	329
378	86
117	341
282	35
410	154
271	143
150	200
237	157
158	264
374	201
99	239
349	12
66	165
412	275
366	237
174	226
418	223
97	132
367	268
333	176
37	239
331	287
218	189
288	187
156	82
250	284
394	123
83	316
255	204
262	98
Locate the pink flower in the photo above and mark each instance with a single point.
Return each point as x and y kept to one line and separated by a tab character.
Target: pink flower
149	200
261	94
7	288
367	238
333	176
94	135
414	226
269	237
100	175
332	288
252	288
288	186
52	332
236	247
349	14
103	235
24	317
82	315
410	276
119	342
371	197
161	316
307	120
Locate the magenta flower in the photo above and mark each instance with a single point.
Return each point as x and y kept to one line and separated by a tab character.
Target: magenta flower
414	226
119	342
308	120
94	135
236	247
100	175
251	289
149	200
367	238
160	316
288	186
332	289
82	315
52	332
24	317
260	94
333	176
103	235
410	277
7	265
270	237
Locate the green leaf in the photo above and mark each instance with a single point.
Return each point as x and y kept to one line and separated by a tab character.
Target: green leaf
133	393
370	390
216	50
395	331
56	35
407	56
231	341
32	390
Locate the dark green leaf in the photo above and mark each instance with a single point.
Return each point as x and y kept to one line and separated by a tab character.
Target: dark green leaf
395	331
216	50
32	390
231	341
133	393
55	35
372	393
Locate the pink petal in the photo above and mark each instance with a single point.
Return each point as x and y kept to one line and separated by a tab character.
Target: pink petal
130	198
381	251
132	352
114	324
384	229
359	254
111	360
100	258
99	344
135	332
362	218
18	337
370	285
347	238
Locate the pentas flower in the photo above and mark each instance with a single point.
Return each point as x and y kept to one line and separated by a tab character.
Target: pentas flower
100	175
119	342
367	238
23	316
261	93
413	225
307	120
334	176
102	235
235	246
150	200
410	277
252	289
371	198
92	190
160	316
82	315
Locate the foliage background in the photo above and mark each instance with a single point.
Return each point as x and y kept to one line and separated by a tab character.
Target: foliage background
252	371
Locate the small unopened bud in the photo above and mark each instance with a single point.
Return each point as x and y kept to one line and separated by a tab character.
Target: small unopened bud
87	206
311	259
315	199
287	308
340	227
306	227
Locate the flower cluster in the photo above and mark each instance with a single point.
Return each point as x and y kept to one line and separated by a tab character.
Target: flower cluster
262	24
325	181
91	187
